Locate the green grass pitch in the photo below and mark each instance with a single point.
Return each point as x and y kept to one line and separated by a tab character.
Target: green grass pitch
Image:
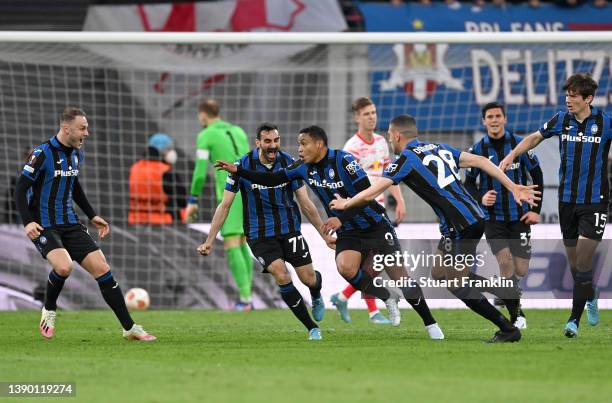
264	356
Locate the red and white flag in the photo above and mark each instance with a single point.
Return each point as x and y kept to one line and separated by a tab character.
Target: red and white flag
169	79
222	16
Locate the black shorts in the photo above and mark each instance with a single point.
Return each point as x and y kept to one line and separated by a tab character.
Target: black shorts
515	235
291	248
74	238
465	243
587	220
380	239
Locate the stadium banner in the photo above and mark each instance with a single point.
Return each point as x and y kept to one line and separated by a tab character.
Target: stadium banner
219	16
161	259
451	82
439	17
547	285
156	259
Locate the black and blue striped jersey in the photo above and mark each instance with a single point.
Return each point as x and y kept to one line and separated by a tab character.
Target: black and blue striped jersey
505	208
267	211
584	147
339	173
432	172
54	170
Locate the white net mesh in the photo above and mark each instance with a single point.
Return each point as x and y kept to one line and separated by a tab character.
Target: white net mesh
132	91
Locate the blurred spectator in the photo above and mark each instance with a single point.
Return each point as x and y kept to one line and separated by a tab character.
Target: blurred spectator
156	190
569	3
453	4
354	18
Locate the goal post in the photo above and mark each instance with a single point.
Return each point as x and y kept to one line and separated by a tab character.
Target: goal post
135	84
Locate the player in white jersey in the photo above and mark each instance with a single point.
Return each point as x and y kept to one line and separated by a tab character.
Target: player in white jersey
372	152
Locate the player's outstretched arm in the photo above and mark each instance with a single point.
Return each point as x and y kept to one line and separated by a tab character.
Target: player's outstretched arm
261	178
527	144
533	216
400	209
521	193
217	222
363	197
310	211
308	208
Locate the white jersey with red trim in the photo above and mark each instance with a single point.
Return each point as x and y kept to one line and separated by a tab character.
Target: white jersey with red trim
373	157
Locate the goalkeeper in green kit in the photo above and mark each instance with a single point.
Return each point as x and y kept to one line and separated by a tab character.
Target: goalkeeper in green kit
220	140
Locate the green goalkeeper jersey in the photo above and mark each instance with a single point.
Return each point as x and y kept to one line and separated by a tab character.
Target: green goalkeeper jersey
218	141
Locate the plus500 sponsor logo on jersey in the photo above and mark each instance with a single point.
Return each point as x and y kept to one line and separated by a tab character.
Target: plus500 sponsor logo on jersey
71	172
262	187
514	165
581	139
325	184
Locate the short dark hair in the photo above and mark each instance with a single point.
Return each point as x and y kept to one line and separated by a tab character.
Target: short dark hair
265	127
580	83
405	124
315	132
70	113
361	103
209	107
493	105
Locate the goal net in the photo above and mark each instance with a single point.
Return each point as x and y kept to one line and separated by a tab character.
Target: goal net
132	87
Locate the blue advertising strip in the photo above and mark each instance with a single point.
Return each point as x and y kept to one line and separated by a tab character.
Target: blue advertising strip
530	89
411	17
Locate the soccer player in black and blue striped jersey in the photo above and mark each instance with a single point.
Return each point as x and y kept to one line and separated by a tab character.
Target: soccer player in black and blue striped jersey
432	172
584	134
272	225
507	228
360	231
44	196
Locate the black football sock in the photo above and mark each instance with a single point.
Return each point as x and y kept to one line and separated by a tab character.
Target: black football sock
295	302
363	282
315	290
515	310
54	287
474	300
111	292
414	296
583	291
573	270
509	295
